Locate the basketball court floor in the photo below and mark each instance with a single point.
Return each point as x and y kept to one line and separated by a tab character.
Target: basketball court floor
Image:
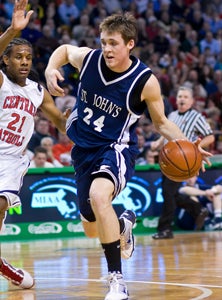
184	268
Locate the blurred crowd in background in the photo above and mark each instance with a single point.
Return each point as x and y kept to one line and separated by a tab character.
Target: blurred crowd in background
180	40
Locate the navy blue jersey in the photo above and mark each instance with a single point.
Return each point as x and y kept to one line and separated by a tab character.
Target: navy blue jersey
108	103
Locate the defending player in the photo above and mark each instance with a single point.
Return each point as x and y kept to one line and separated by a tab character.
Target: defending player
114	90
20	99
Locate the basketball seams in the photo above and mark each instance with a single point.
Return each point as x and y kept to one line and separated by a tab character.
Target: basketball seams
198	157
185	157
179	160
171	161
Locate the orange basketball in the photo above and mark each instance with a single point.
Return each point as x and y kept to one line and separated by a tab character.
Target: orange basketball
180	160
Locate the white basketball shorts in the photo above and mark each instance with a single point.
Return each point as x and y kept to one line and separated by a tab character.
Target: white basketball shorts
12	171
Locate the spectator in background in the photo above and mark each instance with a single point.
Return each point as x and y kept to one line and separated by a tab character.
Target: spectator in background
41	130
206	193
191	213
113	6
8	6
164	17
190	40
161	42
195	19
80	31
141	157
210	42
46	44
66	101
97	13
39	159
151	157
31	32
148	131
38	12
206	78
215	22
142	34
68	13
40	68
216	97
212	86
193	82
65	37
47	143
177	9
218	65
51	16
209	58
62	150
152	29
81	4
174	34
140	6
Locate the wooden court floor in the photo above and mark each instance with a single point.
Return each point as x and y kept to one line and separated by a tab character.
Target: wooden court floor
184	268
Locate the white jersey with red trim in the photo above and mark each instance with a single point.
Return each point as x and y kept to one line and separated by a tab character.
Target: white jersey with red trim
18	106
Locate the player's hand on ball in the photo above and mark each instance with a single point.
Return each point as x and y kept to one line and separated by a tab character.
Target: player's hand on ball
205	154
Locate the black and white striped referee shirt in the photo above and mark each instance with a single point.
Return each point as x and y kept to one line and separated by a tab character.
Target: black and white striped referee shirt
192	123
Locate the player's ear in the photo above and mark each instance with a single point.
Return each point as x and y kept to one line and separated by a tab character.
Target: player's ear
5	59
131	44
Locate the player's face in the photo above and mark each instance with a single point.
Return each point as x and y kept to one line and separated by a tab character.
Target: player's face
115	51
184	100
19	63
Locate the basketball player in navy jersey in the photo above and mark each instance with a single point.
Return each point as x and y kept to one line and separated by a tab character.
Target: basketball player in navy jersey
20	99
114	90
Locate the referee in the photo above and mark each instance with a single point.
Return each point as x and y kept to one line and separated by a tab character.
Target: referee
194	125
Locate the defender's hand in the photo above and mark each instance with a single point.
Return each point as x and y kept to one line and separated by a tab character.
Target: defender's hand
20	17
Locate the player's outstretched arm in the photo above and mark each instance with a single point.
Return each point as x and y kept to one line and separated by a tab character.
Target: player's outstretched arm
61	56
20	19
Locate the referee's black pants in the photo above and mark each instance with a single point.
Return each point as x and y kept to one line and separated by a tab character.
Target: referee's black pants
171	200
169	191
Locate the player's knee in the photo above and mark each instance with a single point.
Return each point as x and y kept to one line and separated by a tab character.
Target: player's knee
99	203
100	198
100	194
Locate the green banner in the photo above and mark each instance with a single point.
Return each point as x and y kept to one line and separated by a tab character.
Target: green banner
63	229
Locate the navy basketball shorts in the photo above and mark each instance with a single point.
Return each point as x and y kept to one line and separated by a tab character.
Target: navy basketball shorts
116	163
